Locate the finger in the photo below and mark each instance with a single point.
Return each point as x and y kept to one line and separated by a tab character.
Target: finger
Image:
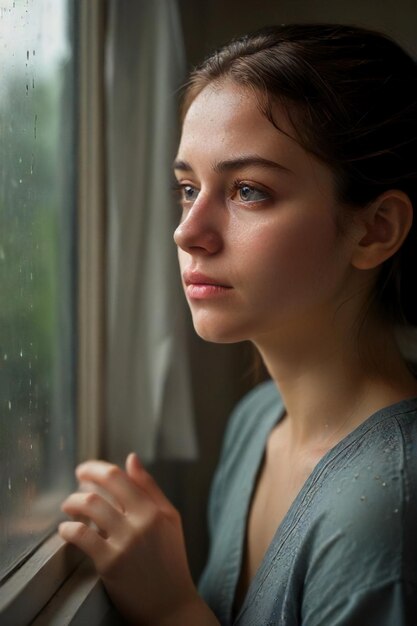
89	486
113	480
144	480
86	539
93	507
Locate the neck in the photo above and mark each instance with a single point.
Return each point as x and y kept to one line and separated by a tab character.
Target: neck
330	383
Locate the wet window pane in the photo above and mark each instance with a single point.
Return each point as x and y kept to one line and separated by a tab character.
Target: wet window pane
36	270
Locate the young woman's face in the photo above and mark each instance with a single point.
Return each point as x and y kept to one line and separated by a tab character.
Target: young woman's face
259	251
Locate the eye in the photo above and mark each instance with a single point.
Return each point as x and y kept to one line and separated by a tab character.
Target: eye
248	193
186	193
189	193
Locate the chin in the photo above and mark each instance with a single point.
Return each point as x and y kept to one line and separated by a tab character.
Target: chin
218	333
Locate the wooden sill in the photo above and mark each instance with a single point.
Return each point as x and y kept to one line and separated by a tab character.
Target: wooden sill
81	600
27	591
56	586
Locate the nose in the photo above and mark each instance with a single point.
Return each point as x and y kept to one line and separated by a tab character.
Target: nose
200	230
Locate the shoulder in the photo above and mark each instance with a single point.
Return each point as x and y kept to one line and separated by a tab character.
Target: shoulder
364	521
263	403
366	507
374	476
243	442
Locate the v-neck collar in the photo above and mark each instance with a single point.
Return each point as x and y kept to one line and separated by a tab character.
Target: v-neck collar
304	496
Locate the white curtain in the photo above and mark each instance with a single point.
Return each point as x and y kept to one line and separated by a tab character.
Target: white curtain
149	407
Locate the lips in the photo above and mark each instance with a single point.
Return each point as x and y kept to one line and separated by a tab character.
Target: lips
191	277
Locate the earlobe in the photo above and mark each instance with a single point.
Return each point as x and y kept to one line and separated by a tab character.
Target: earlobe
385	224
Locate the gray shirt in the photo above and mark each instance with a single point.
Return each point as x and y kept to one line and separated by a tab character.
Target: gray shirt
346	552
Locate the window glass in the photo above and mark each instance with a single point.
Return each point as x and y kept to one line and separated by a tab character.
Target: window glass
37	308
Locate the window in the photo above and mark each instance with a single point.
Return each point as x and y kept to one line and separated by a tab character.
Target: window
37	269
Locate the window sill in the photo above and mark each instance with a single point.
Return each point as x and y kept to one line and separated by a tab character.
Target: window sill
55	586
81	600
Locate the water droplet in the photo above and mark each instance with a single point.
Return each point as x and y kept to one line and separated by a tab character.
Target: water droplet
20	160
20	181
384	484
377	477
356	476
5	357
10	405
27	55
9	484
21	352
31	276
27	89
26	479
31	446
395	511
363	498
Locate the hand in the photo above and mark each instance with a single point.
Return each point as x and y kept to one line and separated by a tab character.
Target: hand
138	548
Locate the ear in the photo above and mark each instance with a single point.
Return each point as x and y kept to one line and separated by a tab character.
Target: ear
383	225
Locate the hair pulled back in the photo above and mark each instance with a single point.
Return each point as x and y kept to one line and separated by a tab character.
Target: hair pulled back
355	92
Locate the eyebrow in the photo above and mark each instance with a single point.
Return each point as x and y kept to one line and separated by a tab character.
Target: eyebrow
236	164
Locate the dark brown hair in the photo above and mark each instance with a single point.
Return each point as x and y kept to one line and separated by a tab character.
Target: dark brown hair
355	92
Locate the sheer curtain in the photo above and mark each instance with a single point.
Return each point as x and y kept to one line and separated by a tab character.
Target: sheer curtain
149	406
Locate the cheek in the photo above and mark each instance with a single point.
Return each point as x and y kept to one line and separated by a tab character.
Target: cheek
297	252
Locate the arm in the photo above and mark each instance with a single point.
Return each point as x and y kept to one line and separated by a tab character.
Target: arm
138	548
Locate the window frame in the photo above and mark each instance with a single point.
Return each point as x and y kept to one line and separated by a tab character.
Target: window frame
25	594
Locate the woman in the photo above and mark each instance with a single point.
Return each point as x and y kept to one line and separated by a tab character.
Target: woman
297	176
